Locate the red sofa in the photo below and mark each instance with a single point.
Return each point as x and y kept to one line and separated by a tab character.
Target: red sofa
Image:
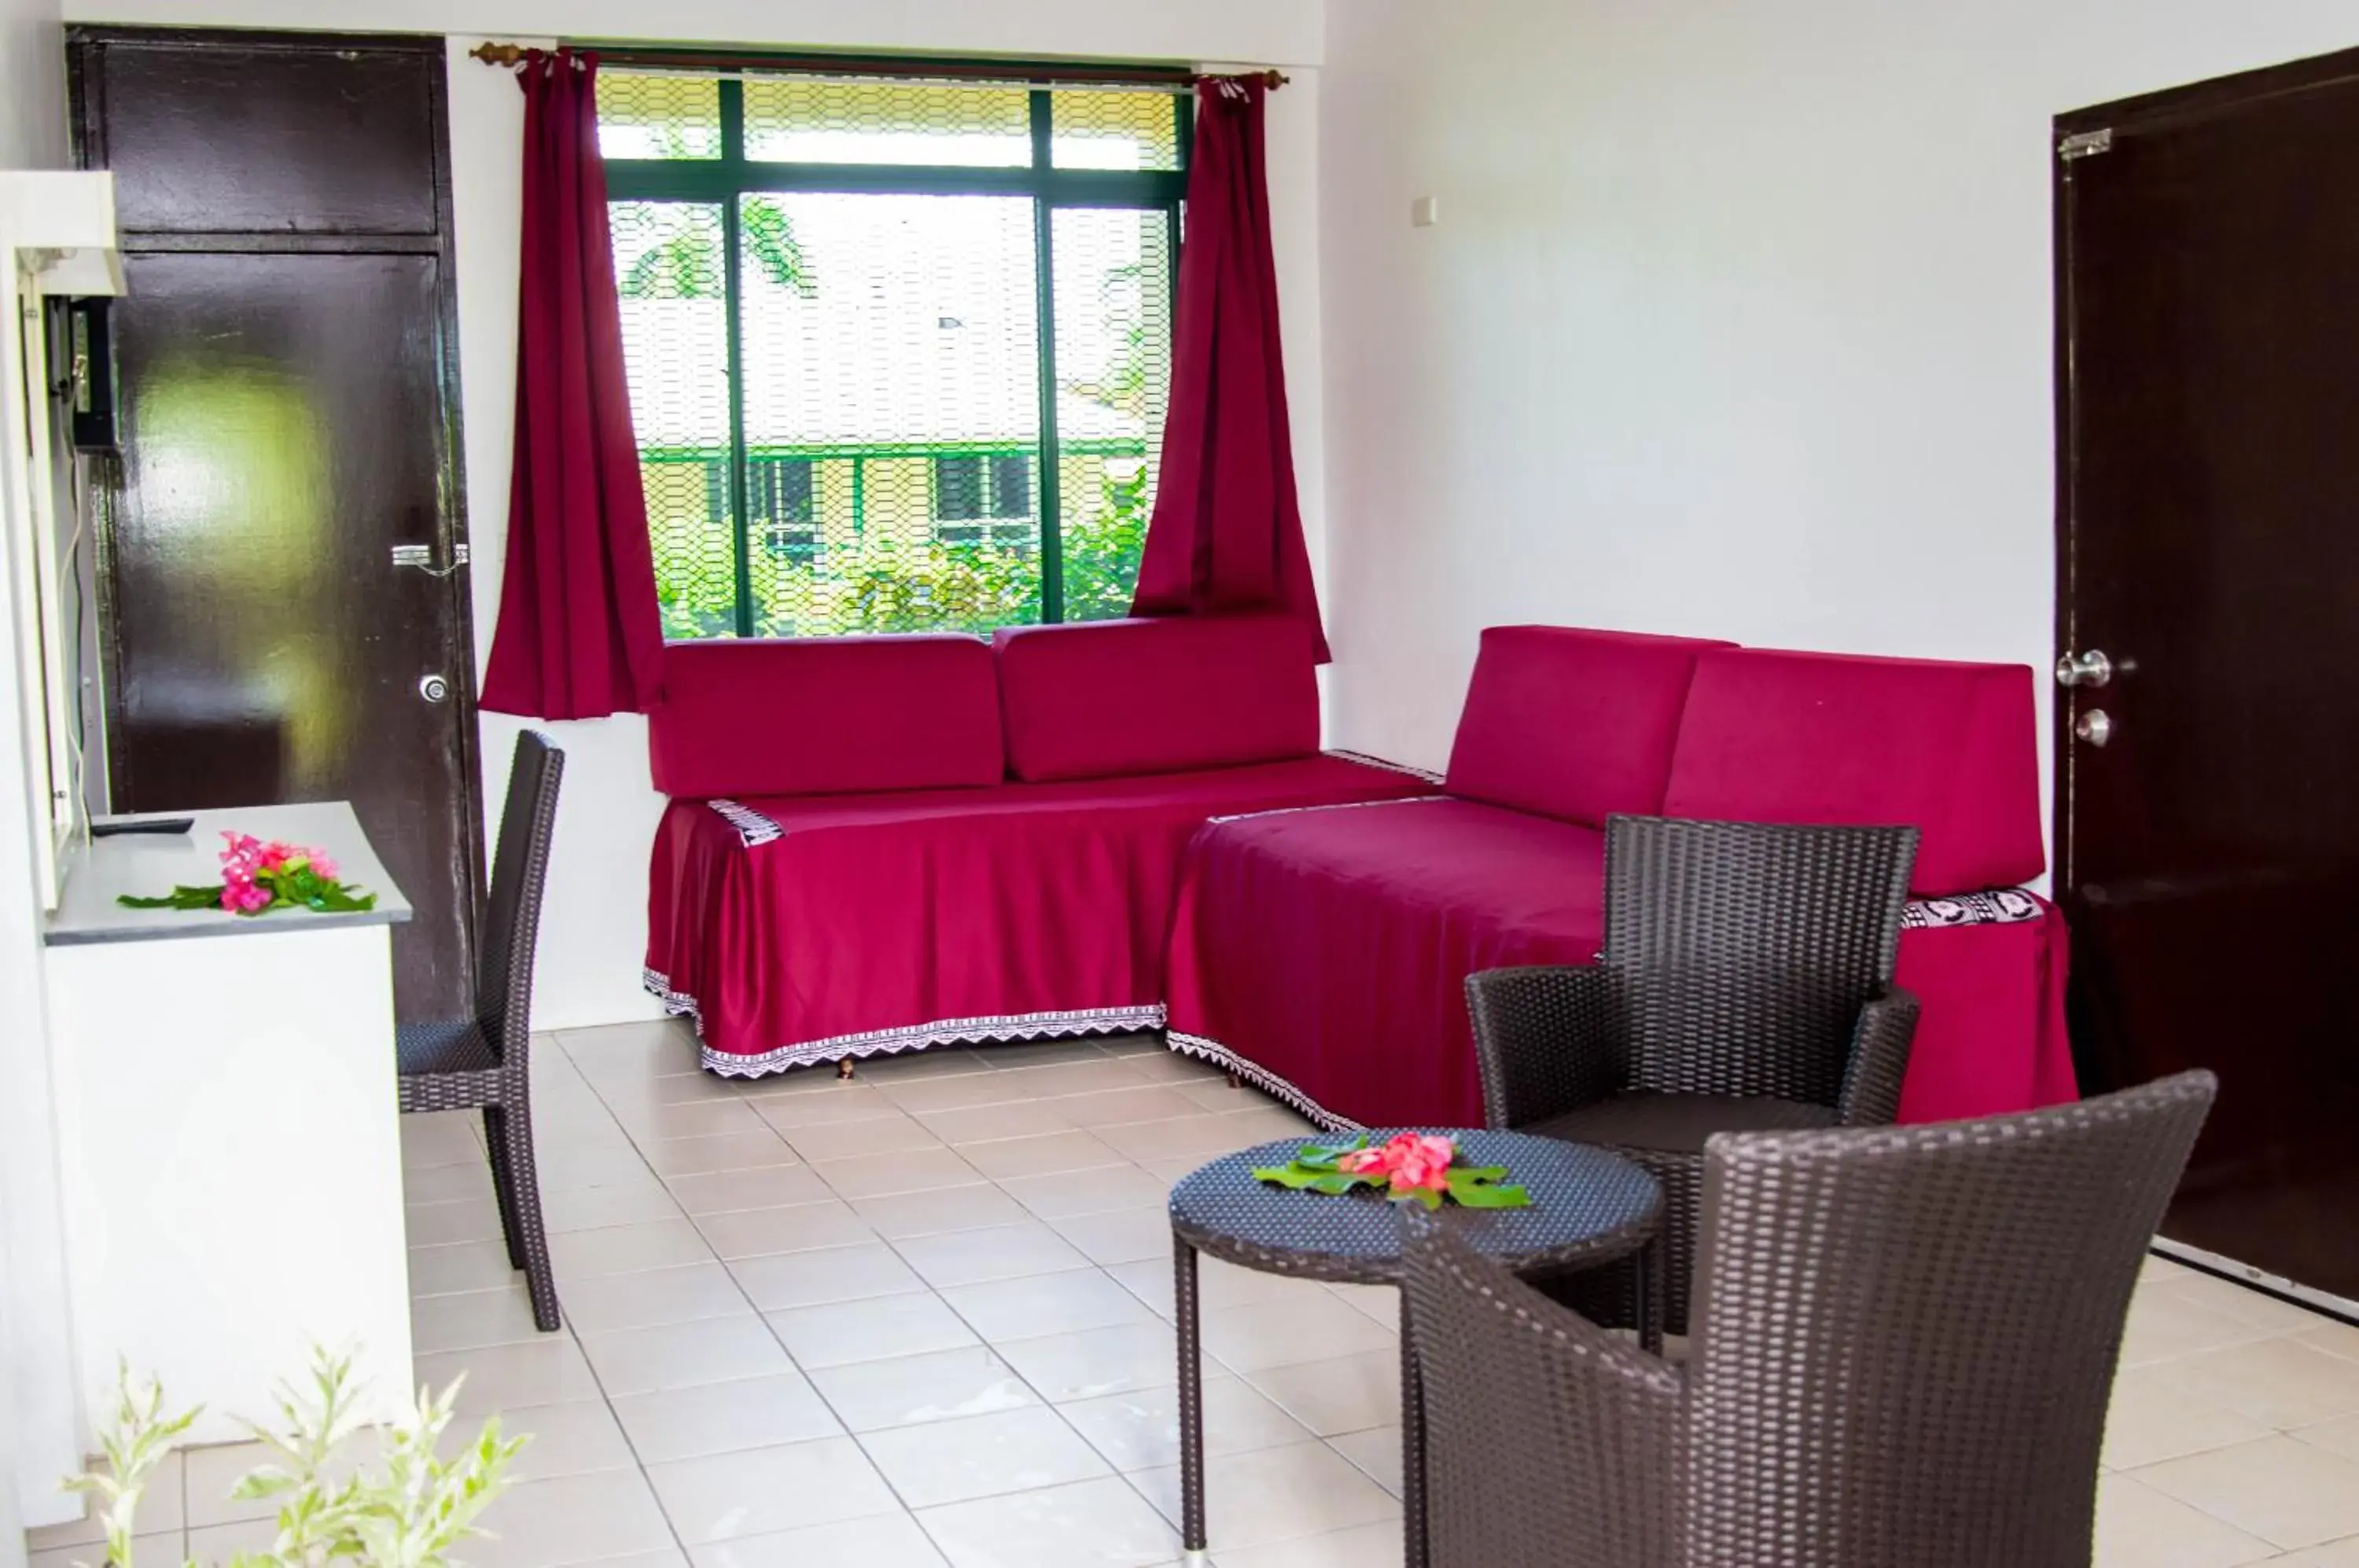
1323	955
881	843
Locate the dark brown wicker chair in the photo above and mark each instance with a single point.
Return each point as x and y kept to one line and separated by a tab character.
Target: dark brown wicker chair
1745	985
486	1059
1904	1349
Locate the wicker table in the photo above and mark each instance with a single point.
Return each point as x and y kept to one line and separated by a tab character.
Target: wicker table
1589	1208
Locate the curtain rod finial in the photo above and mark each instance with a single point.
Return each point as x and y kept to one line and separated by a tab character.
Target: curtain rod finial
498	54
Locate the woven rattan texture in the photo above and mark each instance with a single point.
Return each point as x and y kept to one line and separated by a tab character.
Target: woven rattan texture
1741	959
1588	1207
486	1059
1904	1342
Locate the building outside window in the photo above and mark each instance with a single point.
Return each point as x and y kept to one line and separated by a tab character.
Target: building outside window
899	350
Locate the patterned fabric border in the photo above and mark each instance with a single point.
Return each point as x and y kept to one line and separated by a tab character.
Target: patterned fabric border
1260	1077
1365	760
1338	806
2003	906
752	826
917	1037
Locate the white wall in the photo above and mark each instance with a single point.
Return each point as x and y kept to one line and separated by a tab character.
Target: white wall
1736	320
32	1322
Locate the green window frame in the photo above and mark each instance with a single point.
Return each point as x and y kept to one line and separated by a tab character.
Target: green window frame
723	180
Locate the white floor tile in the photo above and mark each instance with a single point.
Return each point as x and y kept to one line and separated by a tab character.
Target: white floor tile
1276	1494
1094	1362
547	1370
981	1456
577	1438
887	1541
1045	1304
1140	1430
786	1279
653	1298
683	1355
2287	1493
577	1519
869	1330
799	1227
722	1417
628	1249
904	1390
979	1256
1089	1524
766	1490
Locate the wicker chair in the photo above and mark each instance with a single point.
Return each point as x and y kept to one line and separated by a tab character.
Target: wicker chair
1745	985
1904	1350
486	1059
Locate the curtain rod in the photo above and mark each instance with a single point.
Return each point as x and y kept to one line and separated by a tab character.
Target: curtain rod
903	69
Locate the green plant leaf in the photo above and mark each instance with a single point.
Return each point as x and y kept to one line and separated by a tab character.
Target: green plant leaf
177	898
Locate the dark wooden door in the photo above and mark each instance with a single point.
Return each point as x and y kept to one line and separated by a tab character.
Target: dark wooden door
2208	786
287	415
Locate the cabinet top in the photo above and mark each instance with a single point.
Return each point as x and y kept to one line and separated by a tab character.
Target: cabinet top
151	864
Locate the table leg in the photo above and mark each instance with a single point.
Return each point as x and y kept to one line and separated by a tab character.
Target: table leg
1192	1403
1413	1541
1650	1291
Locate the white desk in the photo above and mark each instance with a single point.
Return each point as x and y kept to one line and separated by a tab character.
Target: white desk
229	1125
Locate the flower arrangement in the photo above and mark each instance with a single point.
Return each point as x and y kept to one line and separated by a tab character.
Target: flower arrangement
1420	1167
408	1510
257	878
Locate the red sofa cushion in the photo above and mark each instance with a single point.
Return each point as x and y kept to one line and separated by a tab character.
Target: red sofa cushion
1572	724
825	715
1103	699
1824	737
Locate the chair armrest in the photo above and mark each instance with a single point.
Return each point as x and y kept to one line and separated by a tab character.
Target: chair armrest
1547	1041
1539	1426
1879	1058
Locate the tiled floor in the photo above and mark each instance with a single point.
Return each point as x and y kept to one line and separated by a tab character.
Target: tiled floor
922	1319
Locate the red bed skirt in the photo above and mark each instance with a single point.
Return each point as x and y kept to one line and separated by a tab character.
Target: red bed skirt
815	928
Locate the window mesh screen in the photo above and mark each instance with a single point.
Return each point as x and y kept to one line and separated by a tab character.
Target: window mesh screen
668	270
886	459
1113	269
1113	130
645	115
795	120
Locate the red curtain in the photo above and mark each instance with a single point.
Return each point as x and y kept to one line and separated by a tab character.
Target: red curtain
1227	528
580	636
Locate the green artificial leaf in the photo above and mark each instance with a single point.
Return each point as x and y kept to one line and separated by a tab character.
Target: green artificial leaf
1426	1195
177	898
1300	1177
1482	1188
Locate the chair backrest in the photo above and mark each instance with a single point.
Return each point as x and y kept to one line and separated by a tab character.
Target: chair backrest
1904	1338
1549	1443
511	924
1745	950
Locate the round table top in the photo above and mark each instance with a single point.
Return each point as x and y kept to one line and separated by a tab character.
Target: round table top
1589	1206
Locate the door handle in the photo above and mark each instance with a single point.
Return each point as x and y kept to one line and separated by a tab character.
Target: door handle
2095	726
434	688
420	558
2090	669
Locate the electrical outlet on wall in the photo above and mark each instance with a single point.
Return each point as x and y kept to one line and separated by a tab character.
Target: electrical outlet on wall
1425	212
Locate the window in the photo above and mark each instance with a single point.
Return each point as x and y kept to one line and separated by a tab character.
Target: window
899	351
971	489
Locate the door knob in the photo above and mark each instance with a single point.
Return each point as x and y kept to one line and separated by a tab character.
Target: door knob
2090	669
434	688
2095	726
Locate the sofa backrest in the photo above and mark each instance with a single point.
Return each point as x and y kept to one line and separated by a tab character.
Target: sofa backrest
1103	699
1823	737
825	715
1572	724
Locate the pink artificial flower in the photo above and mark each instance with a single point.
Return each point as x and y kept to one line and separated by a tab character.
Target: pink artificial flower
229	898
254	900
276	854
1409	1160
324	867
